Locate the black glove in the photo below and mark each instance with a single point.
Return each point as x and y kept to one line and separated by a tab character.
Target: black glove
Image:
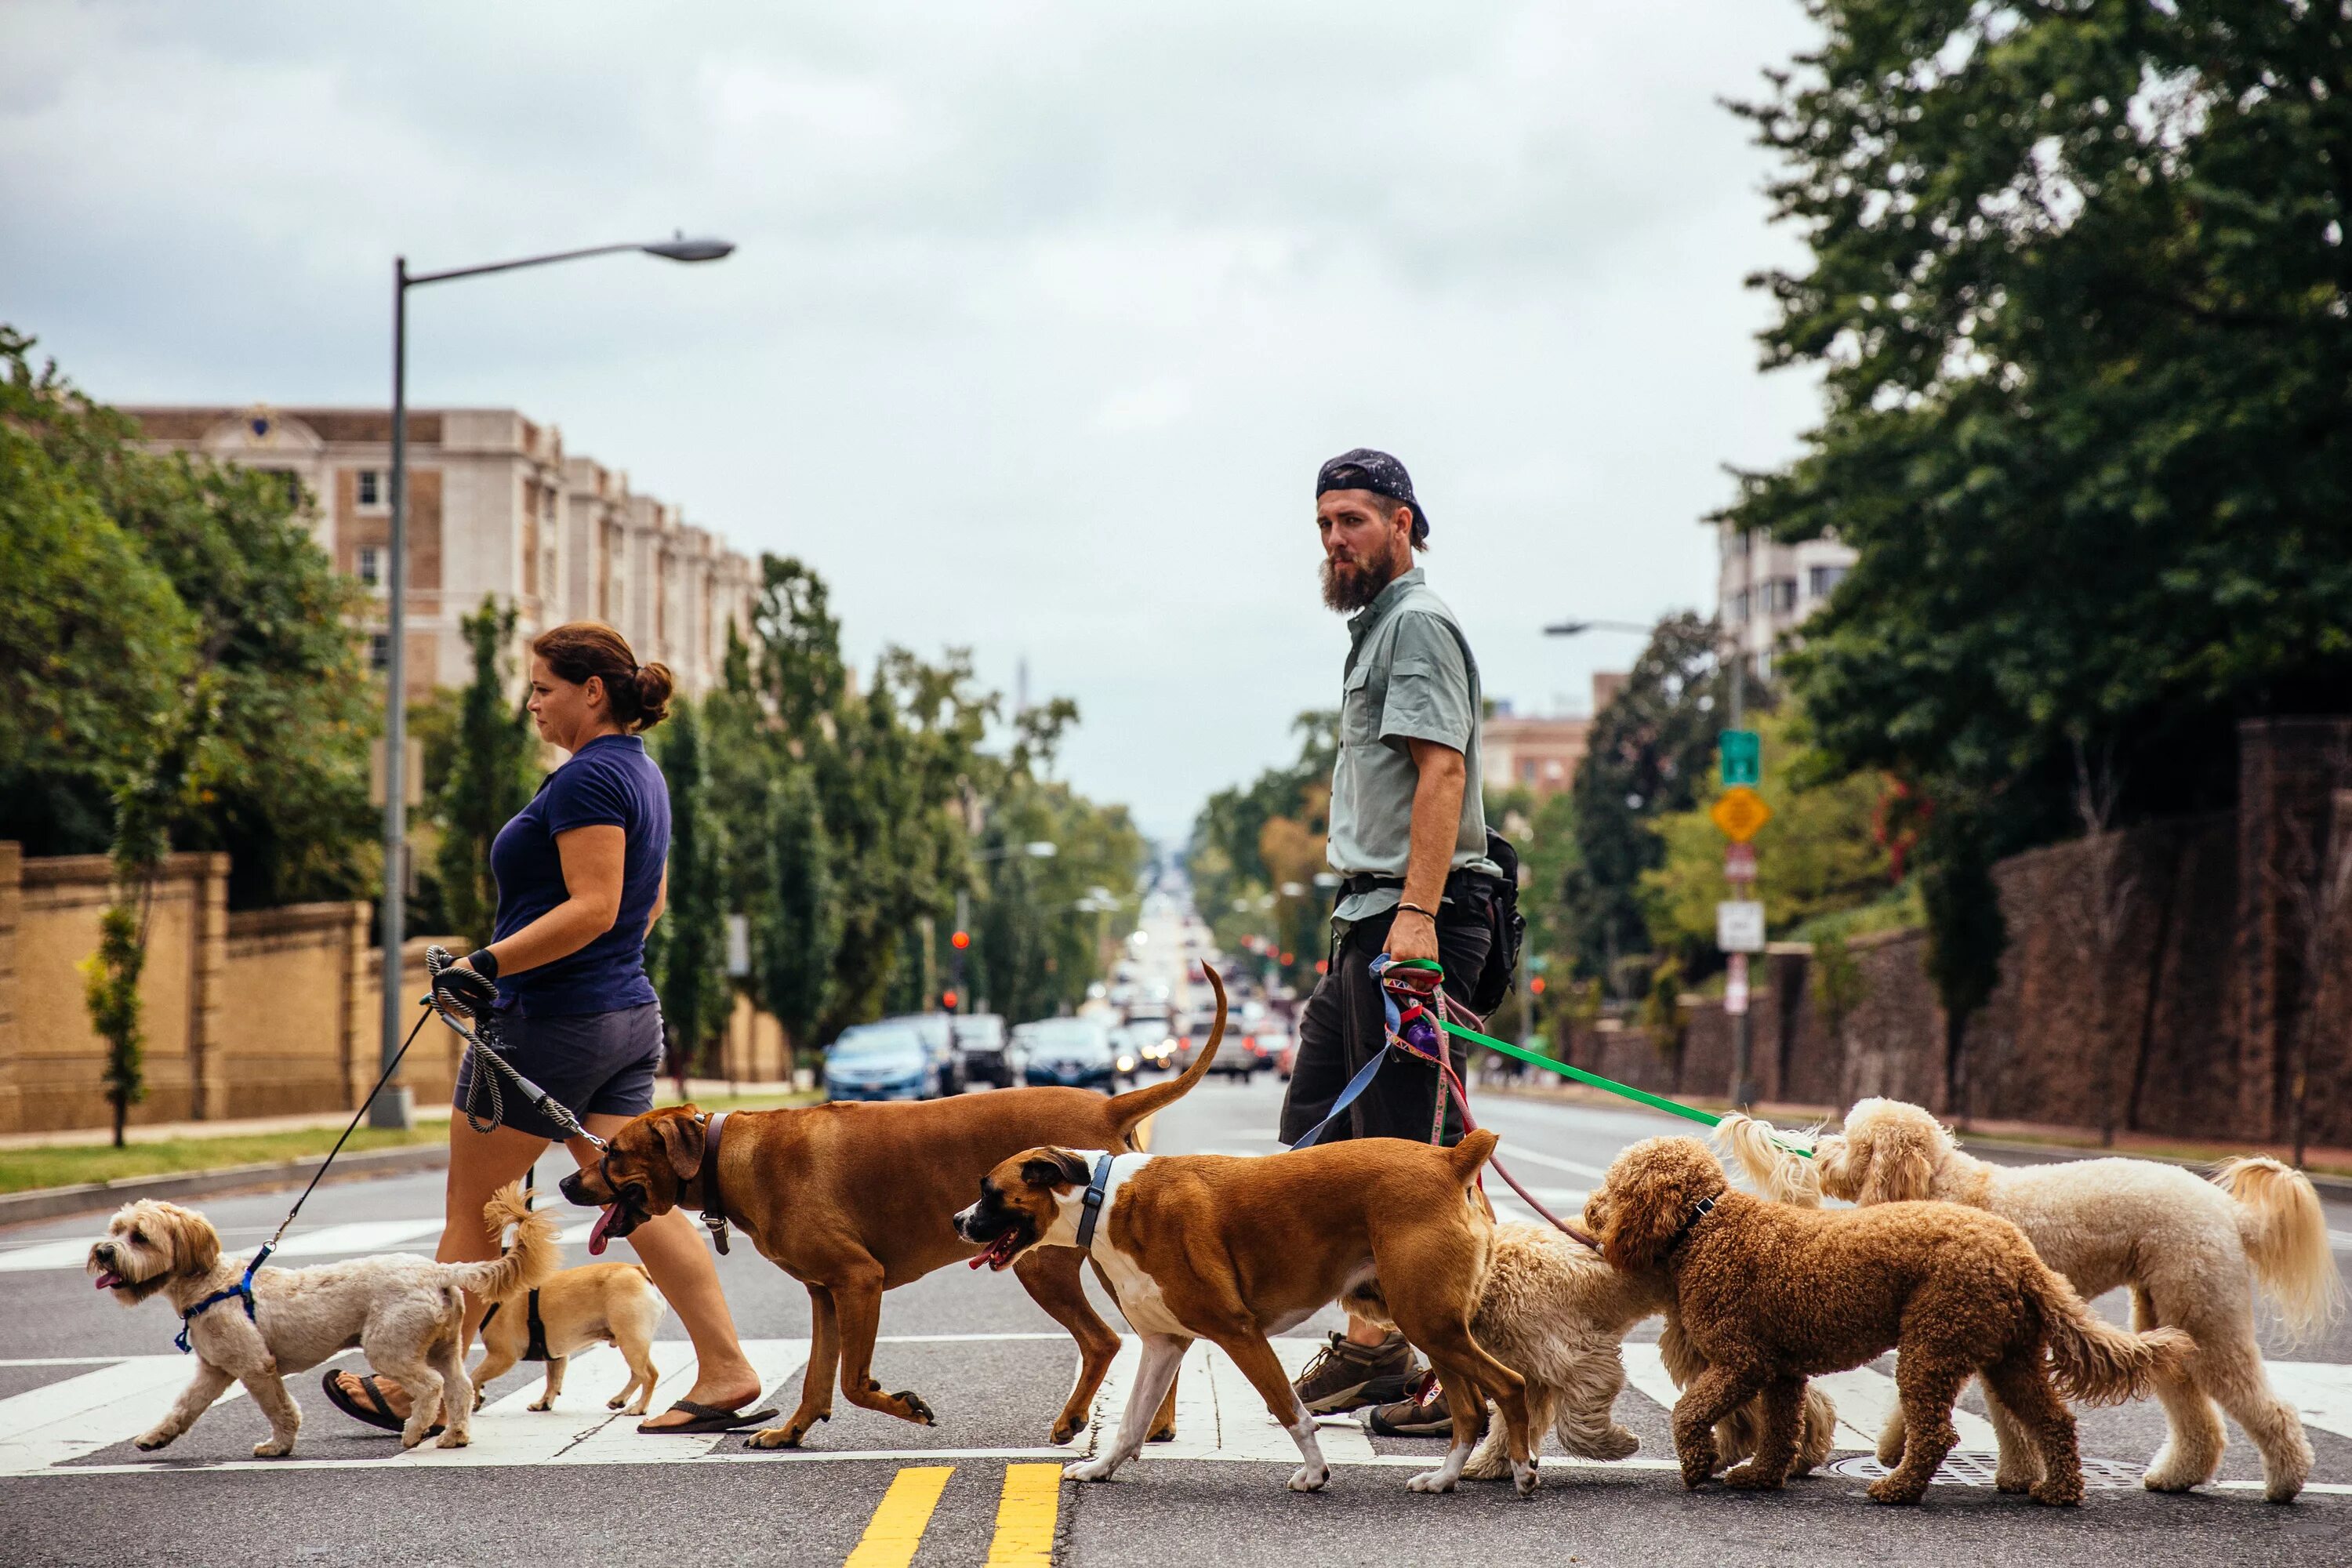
469	991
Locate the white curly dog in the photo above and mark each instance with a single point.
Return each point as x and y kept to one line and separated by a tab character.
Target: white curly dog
2188	1249
403	1311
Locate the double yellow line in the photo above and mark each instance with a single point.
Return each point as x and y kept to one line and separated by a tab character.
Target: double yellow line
1025	1518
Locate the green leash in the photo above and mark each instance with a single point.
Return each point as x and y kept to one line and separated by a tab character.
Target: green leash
1625	1091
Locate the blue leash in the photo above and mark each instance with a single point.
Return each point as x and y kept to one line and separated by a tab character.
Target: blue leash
1370	1070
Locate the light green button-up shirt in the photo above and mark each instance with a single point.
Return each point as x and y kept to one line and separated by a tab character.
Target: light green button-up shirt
1409	676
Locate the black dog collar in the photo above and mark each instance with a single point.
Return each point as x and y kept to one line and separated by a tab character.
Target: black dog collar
1705	1207
1093	1200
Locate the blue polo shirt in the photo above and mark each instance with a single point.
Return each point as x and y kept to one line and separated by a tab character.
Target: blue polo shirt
609	781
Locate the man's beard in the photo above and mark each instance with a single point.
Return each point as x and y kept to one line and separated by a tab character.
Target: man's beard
1349	588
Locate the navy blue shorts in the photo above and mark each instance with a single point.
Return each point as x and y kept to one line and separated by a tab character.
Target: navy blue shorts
594	1064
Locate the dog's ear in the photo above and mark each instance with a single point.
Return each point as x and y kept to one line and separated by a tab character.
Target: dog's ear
681	1139
1902	1155
1056	1168
195	1245
1836	1165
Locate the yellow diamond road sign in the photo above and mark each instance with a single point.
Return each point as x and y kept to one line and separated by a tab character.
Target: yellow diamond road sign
1741	812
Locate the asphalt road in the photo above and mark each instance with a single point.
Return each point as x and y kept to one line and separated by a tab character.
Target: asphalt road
78	1376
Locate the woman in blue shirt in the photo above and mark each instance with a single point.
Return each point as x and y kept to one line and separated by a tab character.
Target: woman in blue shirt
582	875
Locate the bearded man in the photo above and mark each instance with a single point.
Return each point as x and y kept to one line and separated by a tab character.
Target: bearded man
1408	837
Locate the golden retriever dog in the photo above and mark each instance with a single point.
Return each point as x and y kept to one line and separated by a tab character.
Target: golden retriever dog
2190	1251
404	1312
1771	1294
597	1303
1554	1311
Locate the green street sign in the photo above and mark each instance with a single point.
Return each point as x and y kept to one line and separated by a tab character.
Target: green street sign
1743	757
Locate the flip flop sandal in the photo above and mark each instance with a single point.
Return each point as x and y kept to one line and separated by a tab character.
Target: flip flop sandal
707	1418
380	1416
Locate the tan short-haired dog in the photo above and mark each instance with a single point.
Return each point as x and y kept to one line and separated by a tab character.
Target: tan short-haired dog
2190	1251
596	1303
403	1312
1771	1295
1233	1250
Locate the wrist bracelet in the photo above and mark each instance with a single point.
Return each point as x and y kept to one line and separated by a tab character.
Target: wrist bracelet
481	962
1404	908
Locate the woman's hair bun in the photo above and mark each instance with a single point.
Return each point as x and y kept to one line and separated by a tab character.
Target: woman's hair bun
654	684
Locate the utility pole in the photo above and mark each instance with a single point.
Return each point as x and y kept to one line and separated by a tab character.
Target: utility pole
1740	812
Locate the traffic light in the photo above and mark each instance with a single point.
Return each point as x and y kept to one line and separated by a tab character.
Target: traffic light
959	941
1535	986
948	1001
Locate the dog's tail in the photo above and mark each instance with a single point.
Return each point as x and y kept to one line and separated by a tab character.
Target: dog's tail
2092	1360
530	1263
1764	1151
2285	1236
1128	1110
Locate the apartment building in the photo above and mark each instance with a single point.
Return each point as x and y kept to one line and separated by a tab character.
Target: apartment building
495	507
1764	590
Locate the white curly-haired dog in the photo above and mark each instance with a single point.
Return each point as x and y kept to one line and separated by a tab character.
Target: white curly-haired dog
403	1311
1555	1312
2190	1251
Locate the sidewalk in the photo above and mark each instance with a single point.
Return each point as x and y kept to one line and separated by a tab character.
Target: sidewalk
2330	1169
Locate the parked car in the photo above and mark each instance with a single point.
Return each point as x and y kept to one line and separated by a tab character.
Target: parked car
1147	1043
1283	1048
938	1032
1074	1051
881	1062
988	1054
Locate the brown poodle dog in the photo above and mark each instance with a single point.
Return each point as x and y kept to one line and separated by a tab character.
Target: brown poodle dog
1771	1295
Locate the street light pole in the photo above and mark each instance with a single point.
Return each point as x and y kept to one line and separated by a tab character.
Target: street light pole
394	1107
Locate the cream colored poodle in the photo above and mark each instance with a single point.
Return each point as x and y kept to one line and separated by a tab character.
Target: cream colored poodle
2188	1249
1555	1312
403	1312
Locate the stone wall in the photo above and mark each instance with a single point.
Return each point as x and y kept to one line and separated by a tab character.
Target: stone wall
2179	1015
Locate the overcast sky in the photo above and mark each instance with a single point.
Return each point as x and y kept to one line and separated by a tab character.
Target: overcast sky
1043	315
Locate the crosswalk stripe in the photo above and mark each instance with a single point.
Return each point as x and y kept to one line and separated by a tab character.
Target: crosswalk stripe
2321	1391
361	1235
900	1517
78	1415
1534	1157
71	1254
1025	1516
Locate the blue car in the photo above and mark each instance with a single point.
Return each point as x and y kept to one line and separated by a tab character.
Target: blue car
881	1062
1073	1051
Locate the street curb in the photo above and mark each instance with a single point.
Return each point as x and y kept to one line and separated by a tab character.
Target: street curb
52	1202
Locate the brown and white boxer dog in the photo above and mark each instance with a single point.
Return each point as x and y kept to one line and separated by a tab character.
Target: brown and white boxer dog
856	1199
1233	1250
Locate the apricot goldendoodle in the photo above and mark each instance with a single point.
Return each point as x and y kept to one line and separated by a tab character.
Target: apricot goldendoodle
1771	1294
2189	1250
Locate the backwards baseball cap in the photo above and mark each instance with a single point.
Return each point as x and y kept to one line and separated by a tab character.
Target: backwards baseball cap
1366	469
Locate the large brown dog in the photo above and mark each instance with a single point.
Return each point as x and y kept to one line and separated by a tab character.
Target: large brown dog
1233	1249
1771	1295
853	1200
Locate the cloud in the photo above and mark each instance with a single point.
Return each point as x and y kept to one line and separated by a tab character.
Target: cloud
1042	316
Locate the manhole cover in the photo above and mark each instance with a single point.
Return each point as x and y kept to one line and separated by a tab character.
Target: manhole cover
1966	1469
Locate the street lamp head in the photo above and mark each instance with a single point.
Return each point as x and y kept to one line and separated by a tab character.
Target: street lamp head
1568	629
681	249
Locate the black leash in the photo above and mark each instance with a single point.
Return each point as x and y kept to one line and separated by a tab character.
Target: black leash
451	997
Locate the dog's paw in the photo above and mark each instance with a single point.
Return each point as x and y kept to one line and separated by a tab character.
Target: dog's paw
1747	1478
1890	1489
453	1438
545	1404
1891	1445
613	1404
1525	1478
273	1449
914	1408
1162	1434
776	1437
148	1442
1312	1477
1615	1444
1065	1428
410	1440
1488	1464
1436	1480
482	1397
1090	1471
2059	1491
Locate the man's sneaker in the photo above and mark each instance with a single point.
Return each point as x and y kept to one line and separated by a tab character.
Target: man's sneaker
1344	1376
1424	1416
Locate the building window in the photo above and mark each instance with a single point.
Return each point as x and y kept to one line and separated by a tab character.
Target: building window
1780	596
370	488
380	651
1739	607
1823	579
371	565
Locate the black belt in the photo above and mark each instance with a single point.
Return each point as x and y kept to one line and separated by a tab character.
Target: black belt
1365	882
537	1348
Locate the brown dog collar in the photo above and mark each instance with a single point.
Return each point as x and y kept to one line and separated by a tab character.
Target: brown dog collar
714	1202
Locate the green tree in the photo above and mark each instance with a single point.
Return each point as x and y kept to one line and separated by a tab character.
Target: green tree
800	924
2081	299
1649	755
491	774
1251	840
692	976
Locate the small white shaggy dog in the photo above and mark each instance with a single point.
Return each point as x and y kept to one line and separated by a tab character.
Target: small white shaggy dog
1556	1313
403	1311
2190	1251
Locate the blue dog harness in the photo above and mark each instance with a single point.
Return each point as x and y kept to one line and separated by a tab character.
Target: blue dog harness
1093	1200
240	1291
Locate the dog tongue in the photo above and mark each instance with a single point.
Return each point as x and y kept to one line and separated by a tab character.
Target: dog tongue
108	1282
596	1240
